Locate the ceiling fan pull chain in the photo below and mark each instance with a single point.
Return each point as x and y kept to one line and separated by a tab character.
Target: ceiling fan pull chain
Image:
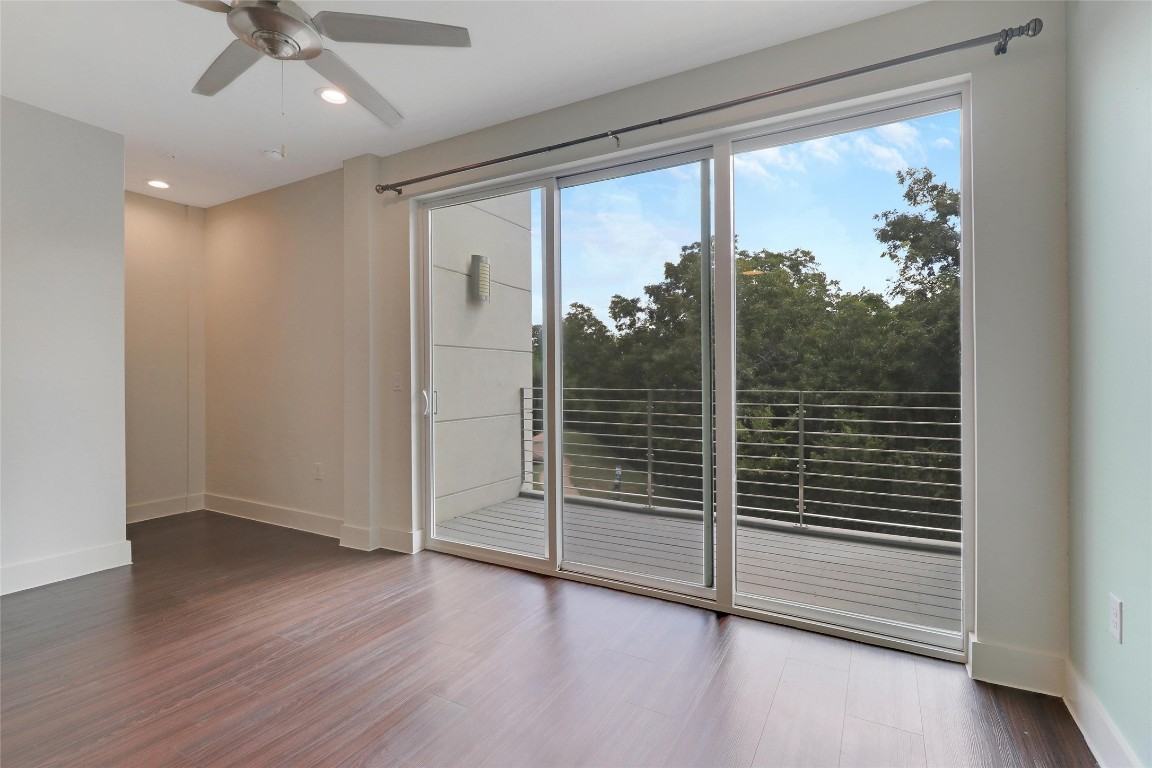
283	118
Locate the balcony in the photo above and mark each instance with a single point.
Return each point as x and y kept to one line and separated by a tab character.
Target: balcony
845	500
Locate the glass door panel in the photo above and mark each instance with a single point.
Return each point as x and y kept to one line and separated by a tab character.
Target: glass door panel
637	376
848	378
486	396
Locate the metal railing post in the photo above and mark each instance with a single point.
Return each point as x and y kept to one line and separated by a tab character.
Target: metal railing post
526	418
800	441
649	448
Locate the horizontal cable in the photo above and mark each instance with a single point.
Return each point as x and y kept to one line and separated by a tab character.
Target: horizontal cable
875	523
811	460
882	479
808	487
879	509
842	420
868	434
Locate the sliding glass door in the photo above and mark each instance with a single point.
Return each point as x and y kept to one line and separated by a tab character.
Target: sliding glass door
848	374
636	275
484	397
574	397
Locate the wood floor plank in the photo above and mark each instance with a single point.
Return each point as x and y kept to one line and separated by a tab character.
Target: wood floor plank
961	723
723	730
824	650
591	721
684	652
410	733
1041	729
882	688
867	745
805	725
150	739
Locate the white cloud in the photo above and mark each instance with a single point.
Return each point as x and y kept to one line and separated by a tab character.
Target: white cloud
776	167
943	143
879	156
752	165
612	245
903	135
781	157
690	172
826	148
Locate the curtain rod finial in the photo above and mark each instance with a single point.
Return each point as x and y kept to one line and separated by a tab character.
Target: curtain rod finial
1031	29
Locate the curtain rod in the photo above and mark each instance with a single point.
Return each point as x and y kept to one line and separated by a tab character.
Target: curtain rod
1001	38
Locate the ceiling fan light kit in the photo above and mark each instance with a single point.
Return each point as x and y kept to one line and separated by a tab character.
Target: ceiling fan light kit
282	30
332	95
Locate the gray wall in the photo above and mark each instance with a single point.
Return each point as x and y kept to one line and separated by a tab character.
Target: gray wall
274	285
62	439
164	356
482	352
1110	265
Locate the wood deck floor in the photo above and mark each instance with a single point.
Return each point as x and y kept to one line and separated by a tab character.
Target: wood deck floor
882	580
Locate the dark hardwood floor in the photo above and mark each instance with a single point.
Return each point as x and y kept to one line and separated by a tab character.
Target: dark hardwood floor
229	642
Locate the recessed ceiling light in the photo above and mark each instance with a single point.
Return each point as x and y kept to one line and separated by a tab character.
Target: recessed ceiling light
157	183
332	96
274	154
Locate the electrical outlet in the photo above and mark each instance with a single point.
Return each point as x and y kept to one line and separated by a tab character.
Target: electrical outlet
1116	617
319	471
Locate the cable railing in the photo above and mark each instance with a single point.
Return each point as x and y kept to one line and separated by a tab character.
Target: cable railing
866	461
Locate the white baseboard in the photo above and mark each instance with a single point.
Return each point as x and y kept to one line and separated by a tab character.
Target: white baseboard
297	519
1108	745
1016	667
150	510
368	539
355	537
48	570
408	542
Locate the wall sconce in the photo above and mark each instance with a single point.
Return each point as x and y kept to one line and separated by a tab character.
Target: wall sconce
480	279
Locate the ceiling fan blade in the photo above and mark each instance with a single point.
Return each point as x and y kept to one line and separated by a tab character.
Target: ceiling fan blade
229	65
333	69
209	5
362	28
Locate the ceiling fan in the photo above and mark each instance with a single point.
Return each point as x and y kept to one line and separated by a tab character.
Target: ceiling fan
280	29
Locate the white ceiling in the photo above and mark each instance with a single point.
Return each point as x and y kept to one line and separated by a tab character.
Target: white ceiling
129	67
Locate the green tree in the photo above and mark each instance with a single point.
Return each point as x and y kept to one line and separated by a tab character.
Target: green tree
924	241
589	348
924	346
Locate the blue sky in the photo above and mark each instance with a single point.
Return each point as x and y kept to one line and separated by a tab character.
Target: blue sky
819	194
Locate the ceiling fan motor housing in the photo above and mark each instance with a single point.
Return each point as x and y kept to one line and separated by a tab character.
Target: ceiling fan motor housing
281	30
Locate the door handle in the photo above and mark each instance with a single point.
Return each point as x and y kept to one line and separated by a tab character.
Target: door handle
427	402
